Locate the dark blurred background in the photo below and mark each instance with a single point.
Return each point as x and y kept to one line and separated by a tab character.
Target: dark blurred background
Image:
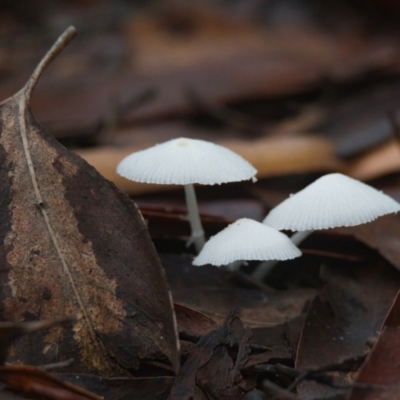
141	72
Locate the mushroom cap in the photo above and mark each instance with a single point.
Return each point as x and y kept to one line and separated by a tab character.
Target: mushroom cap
184	161
246	239
331	201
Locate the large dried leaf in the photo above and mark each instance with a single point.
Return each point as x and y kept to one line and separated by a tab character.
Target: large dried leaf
73	244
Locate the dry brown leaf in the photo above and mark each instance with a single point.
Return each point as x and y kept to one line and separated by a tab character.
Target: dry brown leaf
213	368
380	161
34	381
270	156
258	308
11	331
381	369
74	244
191	323
185	34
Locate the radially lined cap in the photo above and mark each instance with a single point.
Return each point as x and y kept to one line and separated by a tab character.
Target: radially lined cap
246	239
331	201
184	161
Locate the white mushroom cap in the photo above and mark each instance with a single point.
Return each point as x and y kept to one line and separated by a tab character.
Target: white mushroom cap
184	161
331	201
246	239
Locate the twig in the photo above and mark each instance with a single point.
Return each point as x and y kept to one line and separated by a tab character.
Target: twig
318	374
57	365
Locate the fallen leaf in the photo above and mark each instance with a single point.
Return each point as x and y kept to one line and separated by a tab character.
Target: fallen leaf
381	370
34	381
320	343
340	325
380	161
383	235
73	244
360	122
191	323
11	331
258	309
393	316
212	370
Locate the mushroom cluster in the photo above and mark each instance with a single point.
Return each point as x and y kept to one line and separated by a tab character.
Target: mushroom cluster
331	201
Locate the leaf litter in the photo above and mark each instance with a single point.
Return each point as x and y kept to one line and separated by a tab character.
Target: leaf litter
340	289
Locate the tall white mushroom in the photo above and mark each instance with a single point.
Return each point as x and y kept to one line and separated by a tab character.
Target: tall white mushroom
331	201
249	240
185	161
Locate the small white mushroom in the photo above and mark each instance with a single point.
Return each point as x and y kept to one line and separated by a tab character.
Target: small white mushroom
185	161
331	201
246	239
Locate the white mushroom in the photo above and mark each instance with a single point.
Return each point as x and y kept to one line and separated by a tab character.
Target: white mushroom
185	162
246	239
331	201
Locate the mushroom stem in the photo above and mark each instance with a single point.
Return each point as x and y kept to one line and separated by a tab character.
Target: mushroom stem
234	266
265	268
298	237
197	236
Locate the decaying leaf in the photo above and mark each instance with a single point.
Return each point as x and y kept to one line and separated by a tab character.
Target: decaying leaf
381	369
10	331
356	302
380	161
73	244
34	381
213	369
383	235
258	308
393	316
191	323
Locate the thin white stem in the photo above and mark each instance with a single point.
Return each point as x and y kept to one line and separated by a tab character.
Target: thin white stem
265	268
298	237
197	237
234	266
